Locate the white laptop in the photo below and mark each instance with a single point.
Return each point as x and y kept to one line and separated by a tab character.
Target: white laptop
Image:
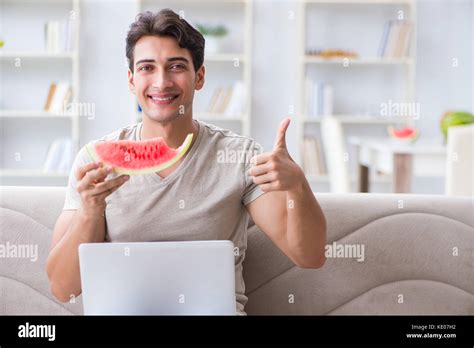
158	278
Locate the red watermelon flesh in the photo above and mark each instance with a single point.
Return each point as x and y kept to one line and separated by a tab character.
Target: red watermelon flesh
405	133
137	157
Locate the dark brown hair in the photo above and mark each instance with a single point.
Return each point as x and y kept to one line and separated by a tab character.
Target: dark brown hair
170	24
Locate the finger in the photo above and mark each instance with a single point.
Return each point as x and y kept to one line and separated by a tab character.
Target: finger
98	175
109	184
260	169
92	177
272	186
103	195
280	140
260	159
81	171
264	179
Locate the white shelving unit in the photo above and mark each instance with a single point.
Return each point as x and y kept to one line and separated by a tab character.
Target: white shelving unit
226	60
407	64
36	58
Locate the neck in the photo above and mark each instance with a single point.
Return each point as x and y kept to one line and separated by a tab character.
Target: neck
173	132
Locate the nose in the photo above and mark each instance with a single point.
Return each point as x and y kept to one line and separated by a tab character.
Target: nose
162	80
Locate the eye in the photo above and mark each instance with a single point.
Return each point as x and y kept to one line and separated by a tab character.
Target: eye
145	68
177	67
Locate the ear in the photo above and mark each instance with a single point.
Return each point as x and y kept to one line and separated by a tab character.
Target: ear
131	83
200	78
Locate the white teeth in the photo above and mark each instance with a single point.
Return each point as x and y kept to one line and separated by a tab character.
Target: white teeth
162	99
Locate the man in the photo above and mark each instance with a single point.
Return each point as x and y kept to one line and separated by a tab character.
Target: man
201	197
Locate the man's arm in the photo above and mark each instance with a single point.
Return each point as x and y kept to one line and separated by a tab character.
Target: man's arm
85	225
288	212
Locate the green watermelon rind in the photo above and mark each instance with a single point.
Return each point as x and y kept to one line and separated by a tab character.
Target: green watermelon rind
127	171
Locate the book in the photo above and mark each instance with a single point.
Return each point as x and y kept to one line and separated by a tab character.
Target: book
313	160
49	98
236	104
319	99
406	43
213	102
226	99
223	100
61	96
395	41
327	100
59	36
52	36
392	39
59	156
69	36
383	41
308	94
65	162
320	157
309	167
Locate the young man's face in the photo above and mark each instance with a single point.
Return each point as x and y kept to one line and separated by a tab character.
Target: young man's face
163	78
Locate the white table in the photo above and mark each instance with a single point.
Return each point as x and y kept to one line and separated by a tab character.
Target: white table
401	159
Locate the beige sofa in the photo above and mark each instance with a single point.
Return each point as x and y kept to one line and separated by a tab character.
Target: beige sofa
418	258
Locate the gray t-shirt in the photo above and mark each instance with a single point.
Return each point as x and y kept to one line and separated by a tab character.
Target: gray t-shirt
204	198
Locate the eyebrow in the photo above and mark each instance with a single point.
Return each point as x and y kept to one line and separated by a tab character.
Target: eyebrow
171	59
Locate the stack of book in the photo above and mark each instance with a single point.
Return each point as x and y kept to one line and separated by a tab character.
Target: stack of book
59	157
59	36
59	96
396	38
319	99
313	157
228	101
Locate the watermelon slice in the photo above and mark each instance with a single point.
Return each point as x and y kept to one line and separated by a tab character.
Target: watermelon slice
404	134
137	157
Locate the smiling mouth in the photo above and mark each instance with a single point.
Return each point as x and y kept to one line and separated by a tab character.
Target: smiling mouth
163	100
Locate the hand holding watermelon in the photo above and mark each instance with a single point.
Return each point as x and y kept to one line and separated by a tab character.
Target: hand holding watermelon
276	170
93	188
138	157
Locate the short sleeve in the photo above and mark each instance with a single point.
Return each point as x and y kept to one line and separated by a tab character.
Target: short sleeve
73	199
251	190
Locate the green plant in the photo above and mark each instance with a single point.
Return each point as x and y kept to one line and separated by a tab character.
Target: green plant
212	30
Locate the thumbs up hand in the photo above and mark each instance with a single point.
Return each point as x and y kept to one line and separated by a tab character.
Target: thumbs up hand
276	170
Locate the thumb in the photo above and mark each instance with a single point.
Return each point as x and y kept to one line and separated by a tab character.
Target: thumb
280	140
